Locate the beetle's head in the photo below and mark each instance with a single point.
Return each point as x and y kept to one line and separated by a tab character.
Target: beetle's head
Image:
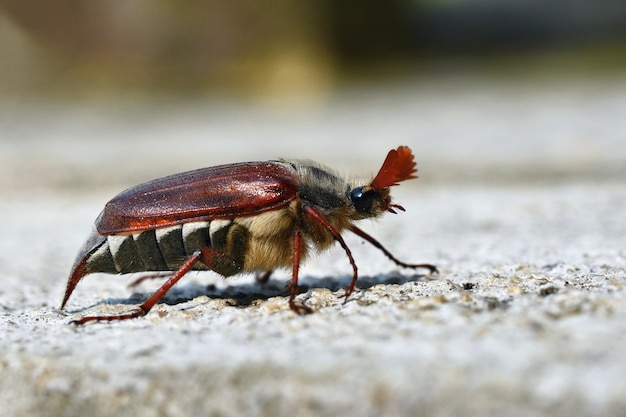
374	199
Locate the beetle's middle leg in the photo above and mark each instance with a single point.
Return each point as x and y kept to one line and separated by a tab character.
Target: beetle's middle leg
298	308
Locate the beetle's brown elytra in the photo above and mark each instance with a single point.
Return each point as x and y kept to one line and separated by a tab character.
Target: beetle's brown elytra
237	218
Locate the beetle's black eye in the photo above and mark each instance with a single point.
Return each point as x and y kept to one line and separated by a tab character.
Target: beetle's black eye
362	200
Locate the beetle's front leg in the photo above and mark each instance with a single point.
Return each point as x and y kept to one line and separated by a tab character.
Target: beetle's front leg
431	268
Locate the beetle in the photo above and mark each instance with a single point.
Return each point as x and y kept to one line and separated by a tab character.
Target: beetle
237	218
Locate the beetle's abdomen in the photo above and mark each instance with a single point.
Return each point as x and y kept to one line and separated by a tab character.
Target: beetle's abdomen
163	249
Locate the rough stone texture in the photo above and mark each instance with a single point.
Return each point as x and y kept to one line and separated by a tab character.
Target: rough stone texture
521	204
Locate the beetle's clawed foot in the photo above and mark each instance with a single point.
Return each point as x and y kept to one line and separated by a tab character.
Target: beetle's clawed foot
432	269
347	294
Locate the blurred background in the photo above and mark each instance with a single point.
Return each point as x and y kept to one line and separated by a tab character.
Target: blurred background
114	92
515	110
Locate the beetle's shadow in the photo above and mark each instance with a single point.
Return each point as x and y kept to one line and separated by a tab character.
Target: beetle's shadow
243	295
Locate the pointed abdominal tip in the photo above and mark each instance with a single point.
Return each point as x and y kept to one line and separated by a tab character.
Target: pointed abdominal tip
398	166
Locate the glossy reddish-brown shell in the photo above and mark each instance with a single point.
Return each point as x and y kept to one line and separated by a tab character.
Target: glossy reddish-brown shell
221	192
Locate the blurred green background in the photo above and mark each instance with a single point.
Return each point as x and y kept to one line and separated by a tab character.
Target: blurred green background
305	49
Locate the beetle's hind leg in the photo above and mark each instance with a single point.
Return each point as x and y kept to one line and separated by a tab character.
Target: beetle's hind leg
214	260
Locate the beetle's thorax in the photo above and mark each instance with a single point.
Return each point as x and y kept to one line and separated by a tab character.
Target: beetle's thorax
320	186
337	198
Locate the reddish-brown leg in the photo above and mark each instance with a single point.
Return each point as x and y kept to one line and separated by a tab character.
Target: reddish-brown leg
299	308
320	218
154	298
431	268
155	275
208	256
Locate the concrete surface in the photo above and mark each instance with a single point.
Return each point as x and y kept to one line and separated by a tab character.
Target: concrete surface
520	203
